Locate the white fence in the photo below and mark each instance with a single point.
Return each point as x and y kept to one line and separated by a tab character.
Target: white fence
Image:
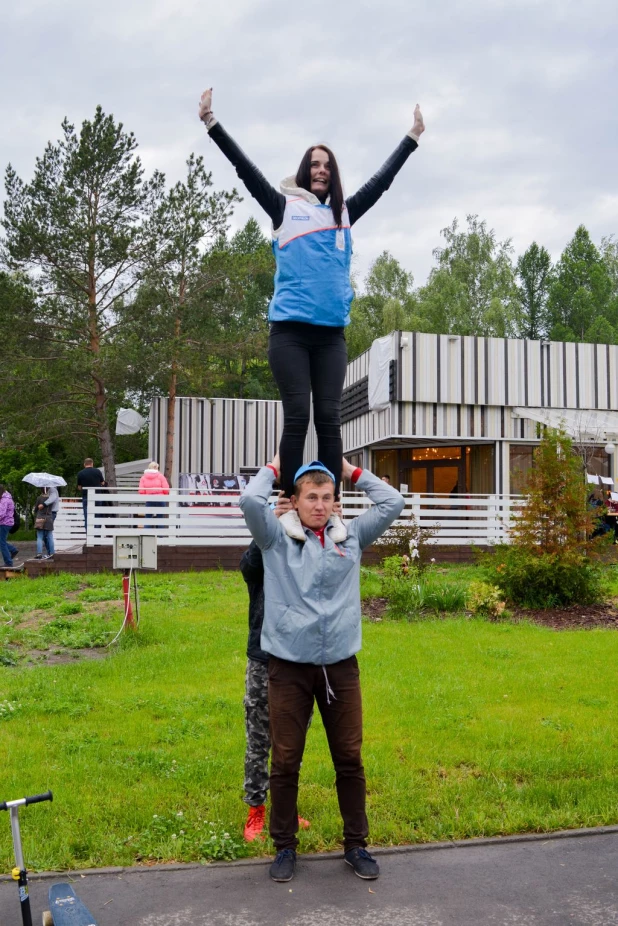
189	520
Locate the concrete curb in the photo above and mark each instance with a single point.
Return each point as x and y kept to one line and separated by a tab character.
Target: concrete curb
324	856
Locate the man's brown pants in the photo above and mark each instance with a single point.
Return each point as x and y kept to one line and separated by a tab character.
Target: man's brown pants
292	687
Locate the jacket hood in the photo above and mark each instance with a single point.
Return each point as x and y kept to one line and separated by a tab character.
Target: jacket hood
288	188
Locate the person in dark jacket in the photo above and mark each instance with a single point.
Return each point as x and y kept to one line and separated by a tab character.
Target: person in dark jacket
312	244
44	524
88	478
256	694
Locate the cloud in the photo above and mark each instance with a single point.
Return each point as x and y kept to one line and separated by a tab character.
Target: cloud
514	93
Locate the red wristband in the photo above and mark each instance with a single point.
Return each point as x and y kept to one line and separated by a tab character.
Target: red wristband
270	466
356	475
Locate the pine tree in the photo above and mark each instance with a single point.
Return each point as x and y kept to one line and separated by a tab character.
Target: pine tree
77	228
552	558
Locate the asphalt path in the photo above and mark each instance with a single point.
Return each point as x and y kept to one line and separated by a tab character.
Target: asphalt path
567	878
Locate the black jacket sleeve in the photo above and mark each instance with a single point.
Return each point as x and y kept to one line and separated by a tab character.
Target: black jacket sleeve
252	565
369	194
267	196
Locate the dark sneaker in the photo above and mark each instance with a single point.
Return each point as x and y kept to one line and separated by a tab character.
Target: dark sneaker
363	864
282	869
39	556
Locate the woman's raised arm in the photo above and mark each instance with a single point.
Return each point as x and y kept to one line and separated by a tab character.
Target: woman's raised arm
369	194
270	199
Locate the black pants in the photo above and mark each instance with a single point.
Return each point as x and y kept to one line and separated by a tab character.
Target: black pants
308	359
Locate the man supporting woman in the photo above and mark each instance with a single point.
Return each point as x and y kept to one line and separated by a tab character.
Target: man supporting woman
312	244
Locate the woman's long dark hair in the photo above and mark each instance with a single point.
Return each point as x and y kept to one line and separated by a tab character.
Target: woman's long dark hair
303	180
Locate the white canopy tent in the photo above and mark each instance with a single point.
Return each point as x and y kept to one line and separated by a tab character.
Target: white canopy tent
582	424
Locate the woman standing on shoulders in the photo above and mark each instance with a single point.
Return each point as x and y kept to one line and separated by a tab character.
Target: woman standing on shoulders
310	308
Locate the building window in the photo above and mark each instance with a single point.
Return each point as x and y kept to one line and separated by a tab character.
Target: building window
521	456
439	470
522	459
595	460
435	453
481	471
385	463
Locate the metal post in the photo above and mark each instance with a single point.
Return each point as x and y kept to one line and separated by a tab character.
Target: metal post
136	591
126	589
19	872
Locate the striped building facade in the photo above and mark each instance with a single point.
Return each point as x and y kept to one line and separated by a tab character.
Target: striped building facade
456	422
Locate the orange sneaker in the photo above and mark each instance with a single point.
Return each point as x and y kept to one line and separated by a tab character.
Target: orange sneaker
303	824
255	823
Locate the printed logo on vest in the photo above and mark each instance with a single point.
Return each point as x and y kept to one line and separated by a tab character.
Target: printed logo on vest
300	218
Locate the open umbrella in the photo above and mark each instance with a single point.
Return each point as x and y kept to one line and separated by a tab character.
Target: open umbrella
44	480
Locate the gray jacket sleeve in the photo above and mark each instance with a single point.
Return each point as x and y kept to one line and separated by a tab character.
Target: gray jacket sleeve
52	497
388	505
259	516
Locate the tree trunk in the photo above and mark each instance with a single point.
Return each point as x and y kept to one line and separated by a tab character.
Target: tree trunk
104	436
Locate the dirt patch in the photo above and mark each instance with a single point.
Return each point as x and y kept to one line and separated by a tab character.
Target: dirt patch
574	617
54	656
374	608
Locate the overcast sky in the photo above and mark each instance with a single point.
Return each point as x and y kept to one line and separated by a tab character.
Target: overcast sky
519	100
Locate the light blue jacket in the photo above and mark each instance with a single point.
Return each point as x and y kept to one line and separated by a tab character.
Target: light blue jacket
312	593
312	255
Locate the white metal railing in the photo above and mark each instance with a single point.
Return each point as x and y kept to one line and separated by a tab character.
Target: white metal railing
216	520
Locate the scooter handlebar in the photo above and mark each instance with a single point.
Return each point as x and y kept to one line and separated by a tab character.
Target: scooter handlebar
35	799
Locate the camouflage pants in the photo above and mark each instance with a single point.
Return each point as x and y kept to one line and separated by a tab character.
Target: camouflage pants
258	737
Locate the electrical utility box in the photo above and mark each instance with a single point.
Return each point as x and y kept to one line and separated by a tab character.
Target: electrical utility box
135	551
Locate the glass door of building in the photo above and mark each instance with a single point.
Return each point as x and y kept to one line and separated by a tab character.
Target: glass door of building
439	478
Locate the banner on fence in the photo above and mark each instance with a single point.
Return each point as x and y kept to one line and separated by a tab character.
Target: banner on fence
211	490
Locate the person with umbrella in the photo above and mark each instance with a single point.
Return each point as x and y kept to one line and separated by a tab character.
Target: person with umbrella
50	500
44	526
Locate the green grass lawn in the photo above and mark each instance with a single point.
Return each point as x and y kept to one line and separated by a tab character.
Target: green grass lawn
471	728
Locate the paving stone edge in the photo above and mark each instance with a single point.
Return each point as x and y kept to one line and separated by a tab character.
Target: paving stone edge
322	856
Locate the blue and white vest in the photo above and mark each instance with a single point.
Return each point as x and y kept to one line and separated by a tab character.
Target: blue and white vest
312	280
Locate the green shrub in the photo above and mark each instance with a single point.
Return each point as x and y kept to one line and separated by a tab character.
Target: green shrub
537	580
485	599
552	558
411	591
